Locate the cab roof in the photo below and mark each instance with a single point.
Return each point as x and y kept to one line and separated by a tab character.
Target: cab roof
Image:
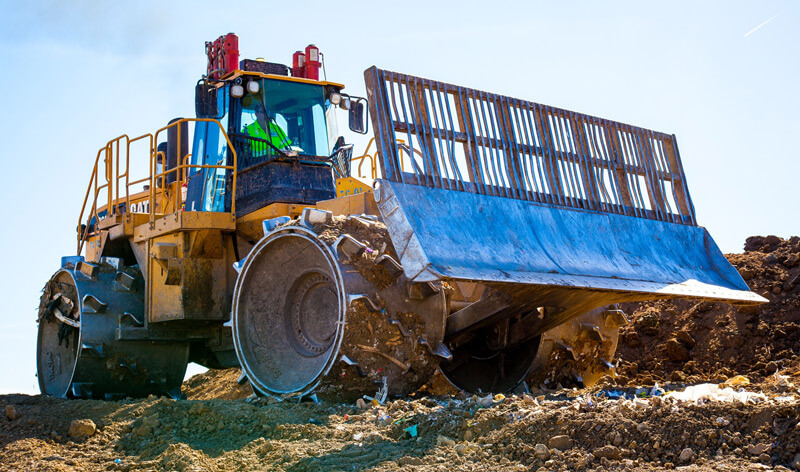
241	73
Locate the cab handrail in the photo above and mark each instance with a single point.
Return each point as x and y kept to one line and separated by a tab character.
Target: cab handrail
116	183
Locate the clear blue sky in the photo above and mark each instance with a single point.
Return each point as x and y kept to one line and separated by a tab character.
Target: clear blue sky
81	72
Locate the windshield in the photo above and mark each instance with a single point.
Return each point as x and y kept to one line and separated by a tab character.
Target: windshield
289	115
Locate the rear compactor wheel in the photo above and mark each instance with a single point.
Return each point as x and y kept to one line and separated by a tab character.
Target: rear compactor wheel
478	368
315	309
78	354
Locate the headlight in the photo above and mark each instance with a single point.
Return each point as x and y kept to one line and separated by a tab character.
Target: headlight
253	86
237	91
336	98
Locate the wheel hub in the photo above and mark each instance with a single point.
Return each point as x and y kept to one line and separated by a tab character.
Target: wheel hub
310	328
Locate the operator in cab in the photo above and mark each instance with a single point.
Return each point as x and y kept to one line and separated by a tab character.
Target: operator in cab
263	127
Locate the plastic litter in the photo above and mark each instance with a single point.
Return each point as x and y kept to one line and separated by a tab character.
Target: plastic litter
483	401
613	394
782	380
383	419
710	392
656	391
784	399
412	431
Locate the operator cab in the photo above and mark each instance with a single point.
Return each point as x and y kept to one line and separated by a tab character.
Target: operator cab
283	129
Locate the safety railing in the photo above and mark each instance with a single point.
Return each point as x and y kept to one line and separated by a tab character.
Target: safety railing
367	157
116	182
473	141
373	158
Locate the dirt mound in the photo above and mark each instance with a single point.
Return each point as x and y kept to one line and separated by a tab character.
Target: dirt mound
216	384
690	341
565	431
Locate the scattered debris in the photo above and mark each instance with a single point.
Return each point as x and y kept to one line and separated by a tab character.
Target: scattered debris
711	392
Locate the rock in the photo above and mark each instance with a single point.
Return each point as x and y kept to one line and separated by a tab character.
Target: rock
796	462
468	435
757	449
445	441
82	429
617	439
315	216
144	430
747	273
410	460
199	409
686	339
361	404
461	449
753	243
11	412
151	421
608	452
541	452
772	240
676	351
562	442
686	455
677	376
701	442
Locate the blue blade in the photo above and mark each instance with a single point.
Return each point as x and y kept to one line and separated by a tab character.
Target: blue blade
448	234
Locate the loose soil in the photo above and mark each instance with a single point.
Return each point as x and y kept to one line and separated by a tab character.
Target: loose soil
673	343
689	341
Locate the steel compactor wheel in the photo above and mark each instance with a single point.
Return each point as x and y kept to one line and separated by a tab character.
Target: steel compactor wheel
78	354
336	317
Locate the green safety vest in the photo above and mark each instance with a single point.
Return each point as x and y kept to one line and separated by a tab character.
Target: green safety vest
276	135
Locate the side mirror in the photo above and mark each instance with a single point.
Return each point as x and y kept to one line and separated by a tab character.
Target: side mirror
358	115
205	101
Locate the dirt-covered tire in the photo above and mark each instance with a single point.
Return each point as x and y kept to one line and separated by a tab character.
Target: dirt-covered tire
325	308
79	353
